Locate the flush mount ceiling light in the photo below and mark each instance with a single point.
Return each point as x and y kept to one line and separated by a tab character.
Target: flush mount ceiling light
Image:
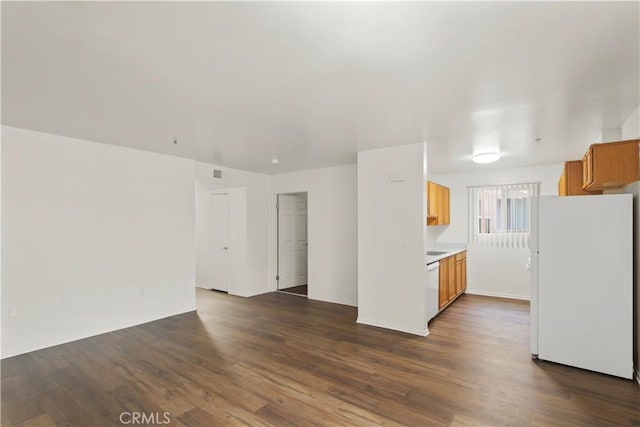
275	160
486	157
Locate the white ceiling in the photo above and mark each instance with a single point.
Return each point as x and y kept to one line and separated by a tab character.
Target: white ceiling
313	83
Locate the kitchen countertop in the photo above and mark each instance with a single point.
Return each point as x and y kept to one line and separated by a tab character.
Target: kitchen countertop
449	252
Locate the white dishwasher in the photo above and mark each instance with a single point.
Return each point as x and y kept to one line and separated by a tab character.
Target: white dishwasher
431	295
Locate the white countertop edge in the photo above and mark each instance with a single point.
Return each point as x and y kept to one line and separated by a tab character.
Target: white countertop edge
433	258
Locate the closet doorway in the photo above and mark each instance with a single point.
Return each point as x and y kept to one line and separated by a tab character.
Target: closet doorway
292	243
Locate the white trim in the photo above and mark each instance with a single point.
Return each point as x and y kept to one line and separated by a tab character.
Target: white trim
273	236
273	242
638	377
423	332
332	301
498	295
291	293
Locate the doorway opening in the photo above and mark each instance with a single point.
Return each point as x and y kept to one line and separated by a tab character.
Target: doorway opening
292	244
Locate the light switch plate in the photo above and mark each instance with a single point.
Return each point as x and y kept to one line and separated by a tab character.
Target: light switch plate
397	177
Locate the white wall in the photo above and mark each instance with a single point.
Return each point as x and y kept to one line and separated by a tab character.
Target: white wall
631	126
96	238
332	228
491	271
391	238
249	264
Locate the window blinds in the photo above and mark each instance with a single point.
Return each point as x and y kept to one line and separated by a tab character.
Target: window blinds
499	215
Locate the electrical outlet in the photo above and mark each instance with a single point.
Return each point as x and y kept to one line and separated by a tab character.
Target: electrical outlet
13	311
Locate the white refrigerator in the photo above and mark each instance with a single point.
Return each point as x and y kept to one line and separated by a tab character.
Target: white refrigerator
582	282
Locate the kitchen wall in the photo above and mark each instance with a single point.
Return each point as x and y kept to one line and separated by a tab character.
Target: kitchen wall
249	204
631	126
96	238
332	230
391	238
491	271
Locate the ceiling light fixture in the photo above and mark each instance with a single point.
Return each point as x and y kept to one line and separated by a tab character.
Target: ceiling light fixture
486	157
275	160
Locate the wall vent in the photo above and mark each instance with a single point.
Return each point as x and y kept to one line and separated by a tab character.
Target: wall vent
217	173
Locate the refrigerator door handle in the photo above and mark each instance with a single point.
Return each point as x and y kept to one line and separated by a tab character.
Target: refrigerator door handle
534	313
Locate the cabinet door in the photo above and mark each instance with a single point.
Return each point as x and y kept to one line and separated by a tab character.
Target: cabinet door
587	169
441	204
432	203
573	177
464	275
438	212
562	182
443	284
459	277
446	220
451	265
612	165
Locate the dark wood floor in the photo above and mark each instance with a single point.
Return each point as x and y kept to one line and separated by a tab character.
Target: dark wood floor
298	290
278	359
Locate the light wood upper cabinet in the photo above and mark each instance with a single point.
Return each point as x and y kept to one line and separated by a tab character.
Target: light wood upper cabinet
432	207
611	165
437	204
570	182
562	182
446	206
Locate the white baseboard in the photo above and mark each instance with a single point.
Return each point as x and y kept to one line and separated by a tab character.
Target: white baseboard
101	331
498	295
423	332
331	301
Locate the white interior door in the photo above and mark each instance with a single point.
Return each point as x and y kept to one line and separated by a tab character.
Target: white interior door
219	243
292	240
301	244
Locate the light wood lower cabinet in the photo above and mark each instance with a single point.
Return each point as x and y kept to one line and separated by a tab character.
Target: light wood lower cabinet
452	278
458	277
443	283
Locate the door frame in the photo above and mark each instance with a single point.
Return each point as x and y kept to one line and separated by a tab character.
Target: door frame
227	231
238	276
275	240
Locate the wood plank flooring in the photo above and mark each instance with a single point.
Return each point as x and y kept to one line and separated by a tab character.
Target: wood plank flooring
282	360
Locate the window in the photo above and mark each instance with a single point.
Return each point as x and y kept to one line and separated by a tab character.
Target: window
499	214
